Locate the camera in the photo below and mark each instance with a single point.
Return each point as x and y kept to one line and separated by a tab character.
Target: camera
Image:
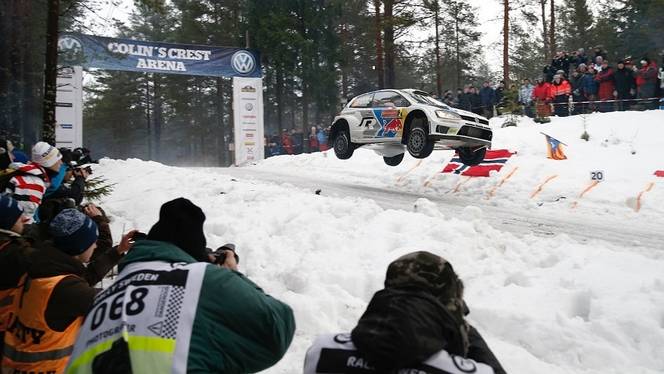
88	169
220	253
139	236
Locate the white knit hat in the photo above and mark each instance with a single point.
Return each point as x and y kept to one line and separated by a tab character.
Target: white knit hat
45	154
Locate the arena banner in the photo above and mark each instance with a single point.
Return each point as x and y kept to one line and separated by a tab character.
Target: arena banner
156	57
248	120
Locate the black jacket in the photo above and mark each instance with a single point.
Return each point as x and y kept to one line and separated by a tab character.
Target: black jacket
74	191
405	325
624	82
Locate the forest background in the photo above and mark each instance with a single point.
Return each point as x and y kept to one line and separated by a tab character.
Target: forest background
315	55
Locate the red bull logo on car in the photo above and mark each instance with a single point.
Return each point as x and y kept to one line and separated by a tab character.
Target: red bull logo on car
390	121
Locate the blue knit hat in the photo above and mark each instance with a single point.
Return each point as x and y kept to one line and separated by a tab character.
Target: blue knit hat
73	232
10	211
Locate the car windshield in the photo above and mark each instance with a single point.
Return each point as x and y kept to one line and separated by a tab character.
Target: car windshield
426	99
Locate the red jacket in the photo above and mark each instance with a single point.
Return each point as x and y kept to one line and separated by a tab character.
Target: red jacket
541	91
648	72
605	80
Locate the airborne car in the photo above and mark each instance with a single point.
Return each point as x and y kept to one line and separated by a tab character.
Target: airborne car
393	121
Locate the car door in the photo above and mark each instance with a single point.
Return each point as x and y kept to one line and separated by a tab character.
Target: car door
388	112
364	123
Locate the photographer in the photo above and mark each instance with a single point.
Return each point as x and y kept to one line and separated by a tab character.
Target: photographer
75	189
415	324
168	292
55	294
579	57
561	61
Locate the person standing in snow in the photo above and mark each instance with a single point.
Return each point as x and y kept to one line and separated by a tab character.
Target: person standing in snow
415	324
171	310
646	81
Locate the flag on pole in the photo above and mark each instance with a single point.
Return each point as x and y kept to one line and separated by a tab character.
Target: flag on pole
493	160
555	148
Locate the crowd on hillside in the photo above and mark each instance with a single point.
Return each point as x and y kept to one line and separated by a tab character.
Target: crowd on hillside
177	306
573	84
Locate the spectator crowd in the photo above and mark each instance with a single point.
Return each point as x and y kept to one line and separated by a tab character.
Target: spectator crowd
295	142
571	84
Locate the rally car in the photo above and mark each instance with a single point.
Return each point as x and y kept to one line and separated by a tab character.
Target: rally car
393	121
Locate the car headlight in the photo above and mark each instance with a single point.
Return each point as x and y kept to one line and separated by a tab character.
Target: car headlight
447	115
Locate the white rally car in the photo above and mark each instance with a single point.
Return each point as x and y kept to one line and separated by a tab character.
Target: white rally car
392	121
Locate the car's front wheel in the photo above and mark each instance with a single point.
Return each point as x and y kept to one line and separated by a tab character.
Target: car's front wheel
419	145
343	148
394	160
470	158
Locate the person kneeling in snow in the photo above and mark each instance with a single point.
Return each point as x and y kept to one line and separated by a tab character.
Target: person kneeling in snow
171	310
415	324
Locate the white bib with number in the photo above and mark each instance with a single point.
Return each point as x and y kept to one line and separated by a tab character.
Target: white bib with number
151	306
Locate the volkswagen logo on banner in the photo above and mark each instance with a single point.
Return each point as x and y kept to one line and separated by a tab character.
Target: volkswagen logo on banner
249	107
70	47
243	62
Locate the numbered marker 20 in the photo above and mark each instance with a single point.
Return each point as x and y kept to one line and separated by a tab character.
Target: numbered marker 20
597	176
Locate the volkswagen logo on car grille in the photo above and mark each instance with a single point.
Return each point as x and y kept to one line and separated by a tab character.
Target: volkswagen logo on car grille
243	62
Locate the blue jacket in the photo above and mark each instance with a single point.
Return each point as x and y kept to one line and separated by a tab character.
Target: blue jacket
487	97
589	85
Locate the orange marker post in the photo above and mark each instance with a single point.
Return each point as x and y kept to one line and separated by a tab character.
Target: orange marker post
539	188
419	162
501	183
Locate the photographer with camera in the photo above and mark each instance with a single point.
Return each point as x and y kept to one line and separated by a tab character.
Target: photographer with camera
415	324
561	61
55	293
171	310
76	174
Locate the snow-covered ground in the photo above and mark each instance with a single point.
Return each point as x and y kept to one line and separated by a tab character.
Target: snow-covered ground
562	275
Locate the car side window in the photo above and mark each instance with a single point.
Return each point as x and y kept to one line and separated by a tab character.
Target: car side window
383	99
399	101
362	101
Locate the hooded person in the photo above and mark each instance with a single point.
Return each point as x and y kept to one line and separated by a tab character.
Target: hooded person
221	321
415	323
54	294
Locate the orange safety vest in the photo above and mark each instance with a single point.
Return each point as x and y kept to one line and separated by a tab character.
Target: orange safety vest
30	345
6	298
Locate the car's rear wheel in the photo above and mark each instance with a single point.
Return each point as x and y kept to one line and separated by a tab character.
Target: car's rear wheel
470	158
419	145
343	148
394	160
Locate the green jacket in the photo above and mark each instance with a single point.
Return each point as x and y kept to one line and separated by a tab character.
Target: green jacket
237	328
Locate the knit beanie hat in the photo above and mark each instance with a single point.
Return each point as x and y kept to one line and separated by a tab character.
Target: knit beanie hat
73	232
181	223
45	154
10	212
